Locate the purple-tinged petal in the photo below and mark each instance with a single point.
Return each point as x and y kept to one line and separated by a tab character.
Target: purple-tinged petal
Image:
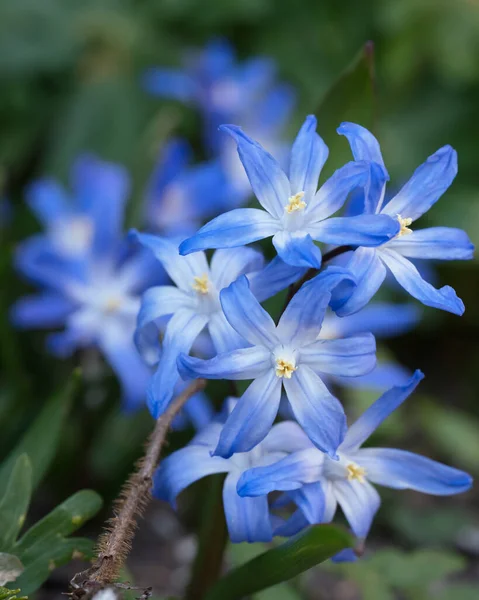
169	83
48	200
44	310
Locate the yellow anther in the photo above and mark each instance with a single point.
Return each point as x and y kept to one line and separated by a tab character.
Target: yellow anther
356	472
404	223
284	368
295	202
200	284
112	305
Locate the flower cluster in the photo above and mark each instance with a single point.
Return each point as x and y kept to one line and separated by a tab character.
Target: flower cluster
315	459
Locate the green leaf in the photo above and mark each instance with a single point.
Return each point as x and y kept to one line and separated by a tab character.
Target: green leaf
6	594
41	440
459	591
350	98
301	552
10	568
15	502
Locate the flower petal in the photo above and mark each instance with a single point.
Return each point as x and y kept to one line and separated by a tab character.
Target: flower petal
43	310
229	263
370	420
182	270
308	155
246	315
381	378
184	467
268	180
232	229
401	470
48	200
348	357
318	412
410	279
169	83
290	473
426	186
274	278
248	519
362	230
182	330
369	272
244	363
359	503
440	243
311	500
333	193
252	417
286	436
297	249
223	336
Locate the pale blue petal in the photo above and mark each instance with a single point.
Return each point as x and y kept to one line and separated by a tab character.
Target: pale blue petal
247	519
308	155
369	272
347	555
439	243
286	436
44	310
382	377
229	263
182	330
297	249
223	336
252	417
48	200
274	278
301	322
426	186
333	193
184	467
296	522
362	230
232	229
245	314
268	180
410	279
318	412
169	83
348	357
182	270
311	500
401	470
157	302
359	503
370	420
290	473
244	363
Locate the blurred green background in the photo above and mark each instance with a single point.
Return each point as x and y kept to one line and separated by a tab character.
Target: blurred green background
69	82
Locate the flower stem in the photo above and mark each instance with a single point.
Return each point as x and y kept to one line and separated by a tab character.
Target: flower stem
115	543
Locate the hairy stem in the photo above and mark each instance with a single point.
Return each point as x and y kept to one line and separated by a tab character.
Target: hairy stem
115	543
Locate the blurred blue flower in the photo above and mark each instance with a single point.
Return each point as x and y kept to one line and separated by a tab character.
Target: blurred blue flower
198	410
416	197
248	519
223	90
318	484
295	213
90	282
288	355
193	305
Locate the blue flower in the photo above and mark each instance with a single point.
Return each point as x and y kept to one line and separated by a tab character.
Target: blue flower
180	196
193	304
248	519
198	410
295	214
383	320
223	90
90	285
416	197
288	354
348	481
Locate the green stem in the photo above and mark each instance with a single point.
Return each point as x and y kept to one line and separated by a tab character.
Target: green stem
213	537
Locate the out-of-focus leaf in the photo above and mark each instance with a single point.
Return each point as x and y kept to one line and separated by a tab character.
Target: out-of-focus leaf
370	583
453	432
350	98
15	502
303	551
41	439
10	568
459	591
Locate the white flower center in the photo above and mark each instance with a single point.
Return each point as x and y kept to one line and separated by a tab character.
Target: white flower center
404	223
295	203
201	284
355	472
285	368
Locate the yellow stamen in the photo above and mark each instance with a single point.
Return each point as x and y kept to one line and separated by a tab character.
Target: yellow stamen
112	305
295	202
284	368
356	472
404	223
200	284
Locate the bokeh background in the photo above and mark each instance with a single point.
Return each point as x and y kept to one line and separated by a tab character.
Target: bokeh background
70	82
